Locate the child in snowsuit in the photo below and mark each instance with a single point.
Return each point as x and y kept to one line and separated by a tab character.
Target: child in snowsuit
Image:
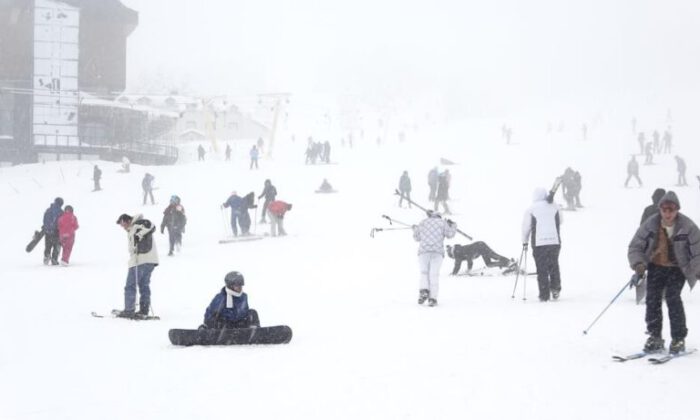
67	225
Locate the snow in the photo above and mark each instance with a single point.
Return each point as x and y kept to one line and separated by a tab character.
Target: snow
362	347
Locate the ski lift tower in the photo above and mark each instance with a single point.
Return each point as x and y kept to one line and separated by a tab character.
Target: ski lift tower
279	101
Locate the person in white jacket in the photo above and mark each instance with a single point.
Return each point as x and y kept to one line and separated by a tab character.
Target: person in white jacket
541	227
143	258
431	233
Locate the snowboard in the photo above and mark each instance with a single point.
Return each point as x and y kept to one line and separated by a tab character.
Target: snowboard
326	192
279	334
38	234
245	238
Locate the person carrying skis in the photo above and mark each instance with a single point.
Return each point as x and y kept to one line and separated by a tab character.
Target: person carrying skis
96	176
147	186
234	202
431	233
67	225
52	242
667	247
541	225
269	192
405	189
174	220
276	210
143	258
229	308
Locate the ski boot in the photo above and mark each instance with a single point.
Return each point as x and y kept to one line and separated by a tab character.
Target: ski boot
677	346
555	294
423	296
432	302
126	314
654	345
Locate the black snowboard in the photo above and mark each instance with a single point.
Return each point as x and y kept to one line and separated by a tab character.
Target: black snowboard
279	334
38	234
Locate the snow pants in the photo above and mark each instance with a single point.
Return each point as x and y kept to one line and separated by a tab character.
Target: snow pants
67	242
276	225
547	263
139	275
405	195
670	279
52	247
430	264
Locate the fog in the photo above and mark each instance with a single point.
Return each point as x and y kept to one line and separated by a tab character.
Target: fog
497	57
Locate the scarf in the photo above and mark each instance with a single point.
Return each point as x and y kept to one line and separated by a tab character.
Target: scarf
229	296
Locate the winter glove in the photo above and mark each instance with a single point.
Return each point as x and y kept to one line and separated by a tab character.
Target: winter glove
525	246
639	269
450	222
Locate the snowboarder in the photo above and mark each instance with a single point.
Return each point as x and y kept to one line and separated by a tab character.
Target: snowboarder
200	153
254	153
433	183
67	225
473	251
443	192
653	208
235	203
325	187
667	247
541	226
52	244
276	210
228	152
633	171
96	176
147	186
431	233
681	167
174	220
405	189
269	192
143	258
229	308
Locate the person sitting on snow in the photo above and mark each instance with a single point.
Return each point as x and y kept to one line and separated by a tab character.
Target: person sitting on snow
475	250
325	186
229	308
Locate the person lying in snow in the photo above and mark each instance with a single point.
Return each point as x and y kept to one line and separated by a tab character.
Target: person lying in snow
229	308
473	251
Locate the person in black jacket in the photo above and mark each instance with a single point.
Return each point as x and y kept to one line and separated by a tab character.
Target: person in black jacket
96	176
653	208
52	243
174	220
270	193
147	185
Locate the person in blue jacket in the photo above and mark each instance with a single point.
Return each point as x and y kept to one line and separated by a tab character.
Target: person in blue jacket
52	244
229	308
235	203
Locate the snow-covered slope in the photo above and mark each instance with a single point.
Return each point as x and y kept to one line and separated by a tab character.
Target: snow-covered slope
362	347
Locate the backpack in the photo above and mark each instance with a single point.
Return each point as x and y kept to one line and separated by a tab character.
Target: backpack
145	244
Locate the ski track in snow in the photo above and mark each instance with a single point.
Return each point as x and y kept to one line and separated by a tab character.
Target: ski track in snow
362	347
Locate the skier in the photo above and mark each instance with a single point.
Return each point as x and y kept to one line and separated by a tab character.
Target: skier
657	141
228	152
327	152
269	192
147	185
432	183
541	224
200	153
642	142
649	155
653	208
431	233
568	188
405	188
254	153
234	202
229	308
260	144
276	210
681	167
143	258
632	171
52	244
443	192
667	247
473	251
248	202
67	225
576	190
174	220
667	139
96	176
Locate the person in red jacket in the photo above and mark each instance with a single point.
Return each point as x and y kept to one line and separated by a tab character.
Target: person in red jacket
276	211
67	225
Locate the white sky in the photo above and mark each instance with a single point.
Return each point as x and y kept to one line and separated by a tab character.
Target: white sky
490	51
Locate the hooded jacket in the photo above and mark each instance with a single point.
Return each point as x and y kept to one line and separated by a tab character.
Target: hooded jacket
136	232
431	234
51	216
653	208
541	221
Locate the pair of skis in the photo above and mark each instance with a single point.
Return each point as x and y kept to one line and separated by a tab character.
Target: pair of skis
657	360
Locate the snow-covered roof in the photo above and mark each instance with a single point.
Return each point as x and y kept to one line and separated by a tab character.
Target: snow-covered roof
90	100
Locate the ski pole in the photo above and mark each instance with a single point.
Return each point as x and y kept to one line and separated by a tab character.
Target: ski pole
525	279
517	273
606	308
394	220
397	192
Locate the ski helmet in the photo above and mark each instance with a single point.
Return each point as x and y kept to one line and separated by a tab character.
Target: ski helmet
234	278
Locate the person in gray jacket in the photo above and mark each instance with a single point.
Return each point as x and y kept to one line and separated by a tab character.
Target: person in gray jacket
431	233
541	225
667	247
405	189
143	258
